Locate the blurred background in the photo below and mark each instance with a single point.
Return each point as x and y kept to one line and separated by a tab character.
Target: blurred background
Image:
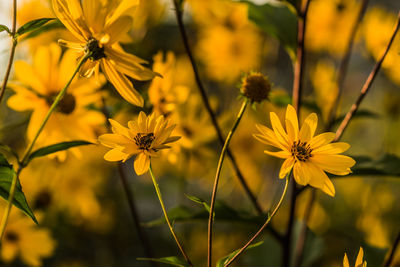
78	198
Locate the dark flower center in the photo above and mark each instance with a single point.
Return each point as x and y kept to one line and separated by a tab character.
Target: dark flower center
301	151
11	236
144	141
93	47
67	104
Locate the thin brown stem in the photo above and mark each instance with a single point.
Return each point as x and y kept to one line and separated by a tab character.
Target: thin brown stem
131	200
344	64
390	258
203	93
218	172
367	85
297	93
12	53
270	216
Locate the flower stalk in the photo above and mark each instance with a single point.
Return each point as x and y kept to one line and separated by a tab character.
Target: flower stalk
166	216
218	172
270	216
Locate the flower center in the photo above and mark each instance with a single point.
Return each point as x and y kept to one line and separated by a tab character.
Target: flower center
67	104
301	151
93	47
144	141
11	236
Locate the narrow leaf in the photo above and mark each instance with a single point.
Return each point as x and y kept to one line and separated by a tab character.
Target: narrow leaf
199	201
278	19
4	28
221	262
52	25
7	174
56	148
173	260
33	25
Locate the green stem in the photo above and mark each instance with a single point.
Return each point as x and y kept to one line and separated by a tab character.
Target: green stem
52	108
265	224
218	172
166	217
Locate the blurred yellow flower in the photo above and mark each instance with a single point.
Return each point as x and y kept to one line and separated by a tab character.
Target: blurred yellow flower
309	157
329	25
164	93
144	138
24	239
38	84
99	26
228	45
378	27
359	260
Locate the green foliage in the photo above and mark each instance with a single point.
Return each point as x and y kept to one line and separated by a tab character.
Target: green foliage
221	262
32	26
173	260
52	25
4	28
56	148
7	174
387	164
279	19
199	201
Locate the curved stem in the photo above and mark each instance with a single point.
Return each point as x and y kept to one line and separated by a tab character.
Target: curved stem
204	97
166	217
270	216
218	172
12	53
52	108
390	258
6	214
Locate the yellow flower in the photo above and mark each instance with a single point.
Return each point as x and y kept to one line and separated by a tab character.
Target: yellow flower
144	138
359	260
38	84
99	26
22	238
309	156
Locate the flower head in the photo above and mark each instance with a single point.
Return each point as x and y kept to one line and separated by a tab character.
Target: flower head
255	86
309	156
99	26
144	138
359	260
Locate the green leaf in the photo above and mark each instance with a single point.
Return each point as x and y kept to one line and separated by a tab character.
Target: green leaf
199	201
7	174
52	25
173	260
32	25
363	113
4	28
279	19
56	148
387	164
221	262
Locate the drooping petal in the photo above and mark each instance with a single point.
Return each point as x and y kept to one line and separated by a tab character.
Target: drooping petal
121	84
333	148
286	167
322	139
115	155
141	164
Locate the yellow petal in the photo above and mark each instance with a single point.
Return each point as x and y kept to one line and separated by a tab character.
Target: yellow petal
121	84
346	261
114	140
118	28
300	173
360	256
115	155
28	76
286	167
141	164
316	174
142	122
291	118
279	154
333	163
328	187
322	139
305	133
312	121
334	148
278	130
268	137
